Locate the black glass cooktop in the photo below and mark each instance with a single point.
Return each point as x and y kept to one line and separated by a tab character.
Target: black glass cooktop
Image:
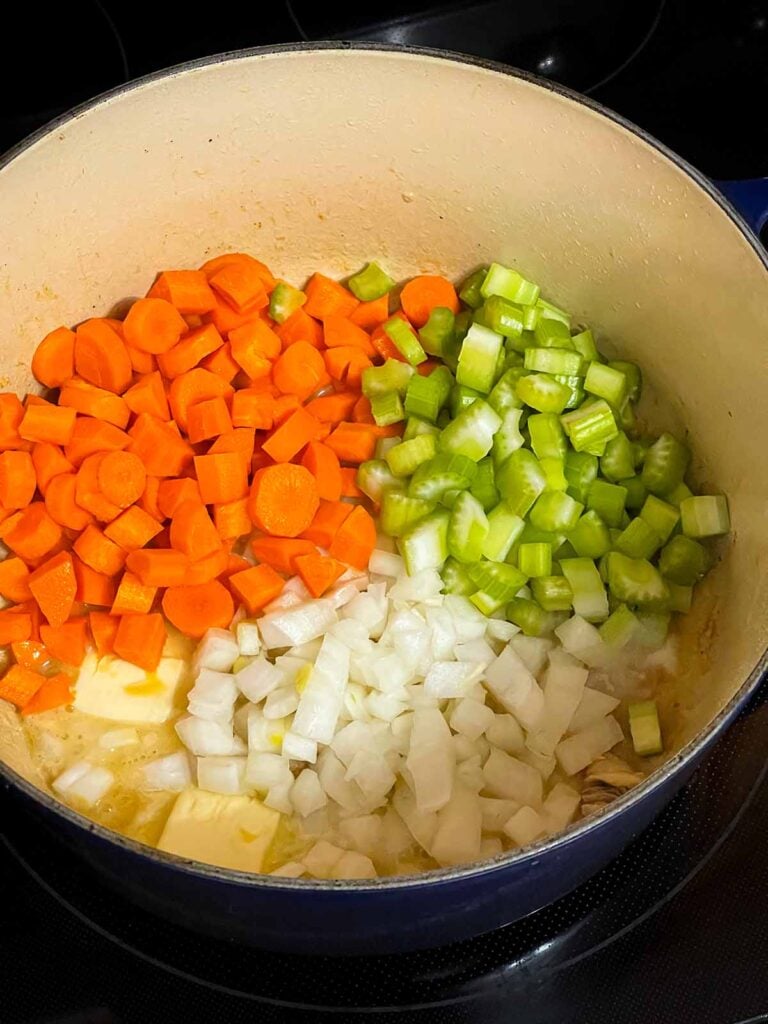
674	931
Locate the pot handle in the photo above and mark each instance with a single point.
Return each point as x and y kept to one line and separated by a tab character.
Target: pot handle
750	197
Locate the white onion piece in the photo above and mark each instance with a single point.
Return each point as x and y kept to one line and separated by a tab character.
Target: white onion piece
297	625
458	834
431	760
258	679
496	812
248	638
385	706
490	847
443	633
500	629
221	774
69	777
505	733
171	773
353	635
512	779
468	622
563	686
298	748
525	825
423	586
544	764
279	796
340	595
470	718
218	650
208	738
352	864
560	806
532	651
332	778
515	688
264	771
307	794
478	651
386	563
422	826
581	749
594	704
450	678
372	774
264	735
213	696
116	738
291	869
281	703
581	639
370	610
364	832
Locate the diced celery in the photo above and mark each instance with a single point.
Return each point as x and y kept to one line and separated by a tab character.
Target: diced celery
636	492
542	392
467	528
553	360
425	396
584	343
415	425
705	516
683	560
580	472
399	511
471	433
531	617
638	540
478	358
555	334
509	284
605	382
370	283
677	495
590	600
437	332
405	457
547	437
503	317
443	473
285	300
503	396
590	425
504	528
499	580
374	477
402	336
618	461
448	498
660	516
653	630
387	408
520	480
665	464
634	377
555	511
644	728
425	545
619	628
635	581
535	559
461	398
456	578
575	389
607	500
680	597
507	438
533	535
470	293
484	602
549	311
531	316
554	471
553	593
391	376
625	416
385	444
589	537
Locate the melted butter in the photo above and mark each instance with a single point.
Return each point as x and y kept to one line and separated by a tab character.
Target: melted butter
150	686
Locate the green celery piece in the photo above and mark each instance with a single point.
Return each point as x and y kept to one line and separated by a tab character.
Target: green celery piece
619	628
654	626
445	472
436	334
683	560
543	393
387	409
705	516
499	580
531	617
405	457
607	500
415	425
504	528
590	600
370	283
584	343
503	396
484	602
285	300
535	559
461	398
425	396
555	511
589	537
385	444
660	516
625	416
425	544
503	317
478	358
509	284
531	315
467	528
639	449
448	498
634	377
677	495
547	310
520	480
680	597
533	535
645	728
638	540
405	340
636	492
374	477
471	432
470	293
519	346
554	471
547	436
507	438
665	464
399	511
618	462
456	578
393	375
580	472
552	593
443	419
576	391
483	487
635	581
592	424
555	334
556	361
605	382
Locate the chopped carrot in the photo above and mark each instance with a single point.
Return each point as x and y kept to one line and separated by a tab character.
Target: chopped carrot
209	568
195	386
149	499
290	437
153	325
91	435
231	519
14	580
229	258
54	358
88	493
97	402
34	535
241	439
327	522
19	685
187	290
122	478
49	461
11	414
30	654
53	586
195	609
189	351
383	344
300	327
93	587
257	586
132	596
281	552
103	630
163	452
134	528
67	642
283	499
319	572
253	347
284	407
353	442
62	505
300	371
208	419
193	532
18	481
347	363
54	692
422	294
371	314
225	319
14	626
355	539
251	408
101	357
158	567
175	492
340	331
222	363
236	563
333	408
50	423
241	285
222	477
142	362
326	297
148	395
140	639
349	488
99	552
362	411
323	464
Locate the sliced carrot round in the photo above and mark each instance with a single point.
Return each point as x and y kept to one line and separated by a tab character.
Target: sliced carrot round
195	609
422	294
153	325
283	499
122	478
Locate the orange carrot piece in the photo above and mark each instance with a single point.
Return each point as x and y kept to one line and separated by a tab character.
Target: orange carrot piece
208	419
300	371
362	411
101	357
54	692
34	535
206	569
68	642
149	499
148	395
281	552
99	552
283	499
241	285
210	267
333	408
355	539
222	363
61	503
323	464
133	528
287	441
349	488
231	519
240	440
17	479
142	362
326	297
93	587
140	639
193	532
225	319
189	351
251	408
327	522
161	449
19	685
91	435
254	339
340	331
132	596
194	609
50	423
49	461
371	314
383	344
122	478
97	402
319	572
53	586
88	493
222	477
14	580
103	630
353	442
187	290
15	626
30	654
173	493
284	407
158	567
422	294
11	413
256	587
54	358
153	325
195	386
300	327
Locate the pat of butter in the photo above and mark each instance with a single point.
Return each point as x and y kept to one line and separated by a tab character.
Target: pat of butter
231	831
115	689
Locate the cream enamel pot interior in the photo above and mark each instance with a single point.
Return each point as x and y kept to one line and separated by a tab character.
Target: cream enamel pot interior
324	157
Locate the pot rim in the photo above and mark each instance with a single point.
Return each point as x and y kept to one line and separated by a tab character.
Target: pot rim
528	854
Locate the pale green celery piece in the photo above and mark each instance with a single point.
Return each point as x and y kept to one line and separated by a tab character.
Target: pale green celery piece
589	537
436	334
370	283
556	361
590	600
535	559
385	444
665	464
478	358
467	529
683	560
531	617
374	477
399	511
547	437
543	393
636	582
485	603
680	597
499	580
584	343
607	500
677	495
507	438
625	416
449	498
634	377
636	492
425	544
604	382
503	317
574	385
705	516
425	396
456	579
405	341
520	480
470	293
461	398
552	593
503	396
393	375
554	334
443	419
415	425
592	424
405	457
531	316
483	487
654	627
387	409
645	728
504	528
549	311
509	284
638	540
580	471
619	628
618	461
445	472
523	343
471	433
660	516
555	511
639	449
284	301
554	470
